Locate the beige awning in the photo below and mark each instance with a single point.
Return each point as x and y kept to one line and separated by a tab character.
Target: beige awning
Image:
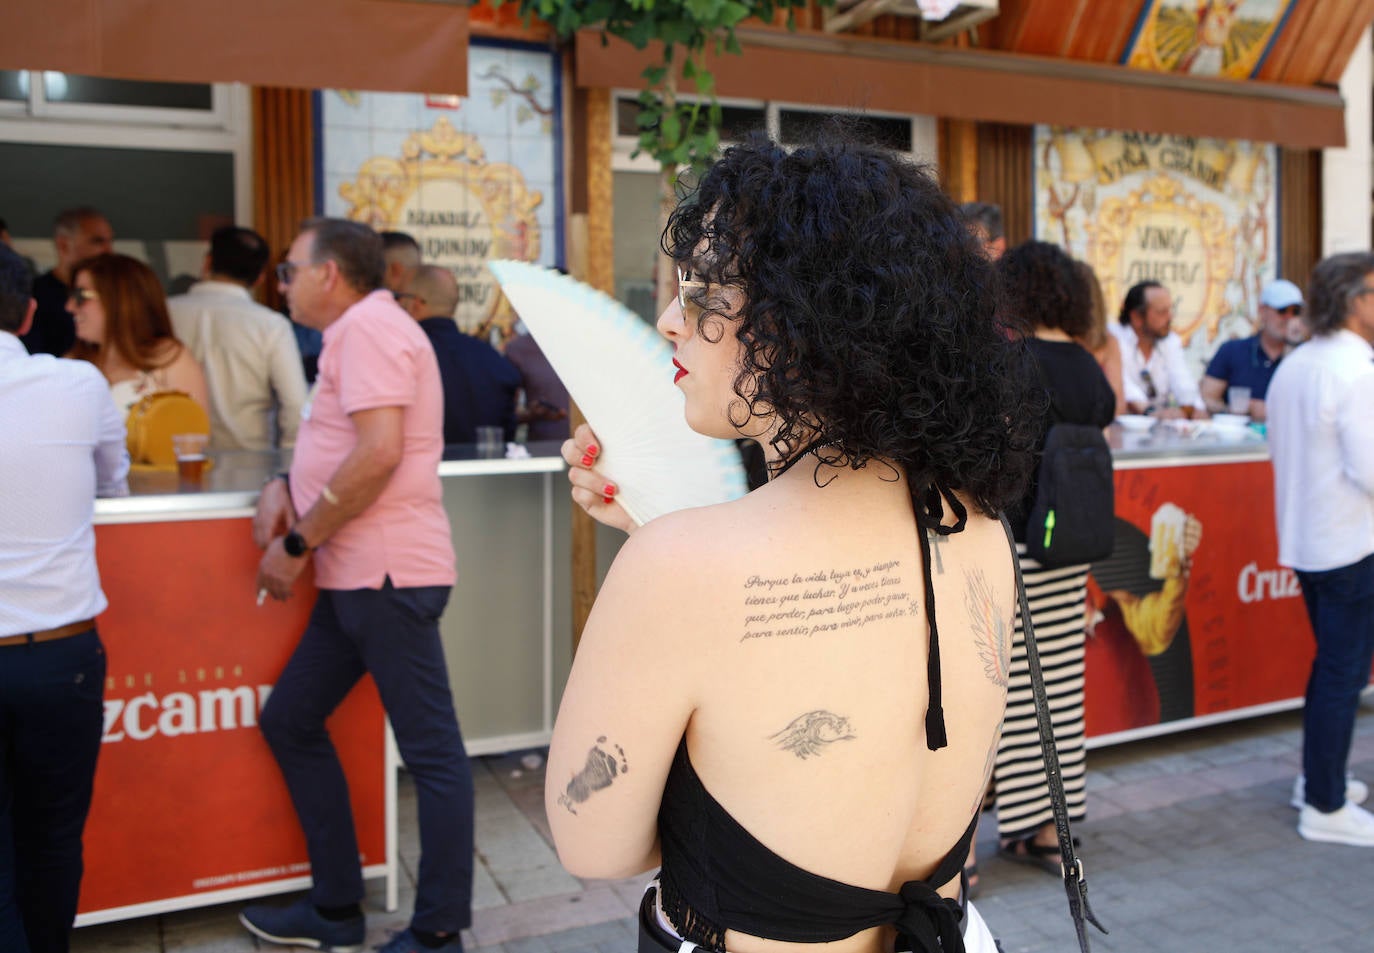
401	45
855	73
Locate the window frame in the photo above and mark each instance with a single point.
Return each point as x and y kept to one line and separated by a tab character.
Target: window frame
227	127
38	106
924	129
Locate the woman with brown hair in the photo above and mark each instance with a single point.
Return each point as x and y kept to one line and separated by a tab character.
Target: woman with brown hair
1098	341
122	327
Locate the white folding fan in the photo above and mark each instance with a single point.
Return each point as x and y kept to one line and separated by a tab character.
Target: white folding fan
620	373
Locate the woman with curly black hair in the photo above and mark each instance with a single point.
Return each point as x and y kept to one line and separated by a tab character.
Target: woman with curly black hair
763	703
1045	295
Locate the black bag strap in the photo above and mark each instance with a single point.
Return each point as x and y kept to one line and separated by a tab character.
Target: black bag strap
1075	879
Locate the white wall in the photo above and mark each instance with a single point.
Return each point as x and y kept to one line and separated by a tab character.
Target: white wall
1346	173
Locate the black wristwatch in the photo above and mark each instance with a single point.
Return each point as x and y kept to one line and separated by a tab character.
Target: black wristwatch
295	545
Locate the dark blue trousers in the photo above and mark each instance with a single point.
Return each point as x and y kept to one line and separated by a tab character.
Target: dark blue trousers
51	703
1340	604
393	634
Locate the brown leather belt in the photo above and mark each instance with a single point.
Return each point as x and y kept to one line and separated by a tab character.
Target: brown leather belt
50	635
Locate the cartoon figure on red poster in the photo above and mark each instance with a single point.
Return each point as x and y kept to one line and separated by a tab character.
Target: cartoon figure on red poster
1138	649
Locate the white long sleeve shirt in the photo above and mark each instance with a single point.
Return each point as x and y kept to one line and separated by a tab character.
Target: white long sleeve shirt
1167	367
61	443
252	365
1321	441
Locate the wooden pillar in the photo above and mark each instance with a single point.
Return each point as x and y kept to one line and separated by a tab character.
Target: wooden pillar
591	259
283	169
1300	214
958	157
1006	176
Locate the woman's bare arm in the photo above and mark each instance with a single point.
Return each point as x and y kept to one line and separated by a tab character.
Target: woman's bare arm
628	700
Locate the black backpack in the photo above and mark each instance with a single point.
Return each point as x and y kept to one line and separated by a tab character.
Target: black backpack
1073	517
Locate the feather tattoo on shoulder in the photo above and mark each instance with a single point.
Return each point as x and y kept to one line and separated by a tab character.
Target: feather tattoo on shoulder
990	628
809	734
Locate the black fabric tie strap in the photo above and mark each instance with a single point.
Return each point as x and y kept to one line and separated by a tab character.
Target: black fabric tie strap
930	515
930	921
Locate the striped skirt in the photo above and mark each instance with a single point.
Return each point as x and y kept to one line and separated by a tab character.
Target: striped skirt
1023	795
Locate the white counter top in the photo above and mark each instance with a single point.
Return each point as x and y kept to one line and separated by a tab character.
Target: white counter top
231	486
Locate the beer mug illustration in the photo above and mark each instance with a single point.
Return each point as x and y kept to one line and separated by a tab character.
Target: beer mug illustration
1166	541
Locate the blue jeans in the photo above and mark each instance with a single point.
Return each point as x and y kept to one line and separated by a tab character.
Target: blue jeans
1340	604
51	703
393	634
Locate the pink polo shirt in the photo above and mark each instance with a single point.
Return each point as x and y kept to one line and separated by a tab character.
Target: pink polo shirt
374	356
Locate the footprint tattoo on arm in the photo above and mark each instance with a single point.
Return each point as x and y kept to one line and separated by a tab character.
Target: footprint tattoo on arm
601	769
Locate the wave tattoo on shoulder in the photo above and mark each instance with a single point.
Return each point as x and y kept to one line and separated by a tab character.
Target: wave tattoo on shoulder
601	769
810	734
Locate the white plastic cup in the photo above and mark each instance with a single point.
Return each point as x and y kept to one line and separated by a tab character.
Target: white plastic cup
1238	400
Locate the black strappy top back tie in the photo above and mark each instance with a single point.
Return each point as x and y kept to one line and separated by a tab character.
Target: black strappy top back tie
930	515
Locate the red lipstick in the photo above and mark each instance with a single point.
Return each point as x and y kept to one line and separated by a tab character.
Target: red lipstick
681	371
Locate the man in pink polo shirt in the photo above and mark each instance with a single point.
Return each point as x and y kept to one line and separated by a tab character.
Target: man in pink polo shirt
363	500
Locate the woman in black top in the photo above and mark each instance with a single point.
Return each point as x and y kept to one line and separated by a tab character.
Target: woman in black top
790	701
1045	296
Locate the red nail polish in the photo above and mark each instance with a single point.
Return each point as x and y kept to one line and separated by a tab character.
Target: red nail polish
609	490
607	499
586	459
592	449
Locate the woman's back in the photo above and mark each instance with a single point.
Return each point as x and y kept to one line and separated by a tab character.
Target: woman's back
809	727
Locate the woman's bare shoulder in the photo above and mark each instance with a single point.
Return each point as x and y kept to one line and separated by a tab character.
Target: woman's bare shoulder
699	527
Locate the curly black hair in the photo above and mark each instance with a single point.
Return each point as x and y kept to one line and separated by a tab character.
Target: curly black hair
1042	288
868	322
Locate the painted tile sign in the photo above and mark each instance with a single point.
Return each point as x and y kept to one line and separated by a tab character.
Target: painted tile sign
1206	37
1196	215
471	178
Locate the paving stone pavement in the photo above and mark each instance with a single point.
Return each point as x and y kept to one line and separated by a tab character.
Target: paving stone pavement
1190	847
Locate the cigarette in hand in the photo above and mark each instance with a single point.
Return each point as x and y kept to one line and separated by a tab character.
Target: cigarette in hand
262	596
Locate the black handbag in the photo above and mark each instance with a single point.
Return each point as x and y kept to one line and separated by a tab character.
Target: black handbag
1072	518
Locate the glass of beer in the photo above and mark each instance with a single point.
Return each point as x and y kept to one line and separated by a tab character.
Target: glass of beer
1166	541
190	453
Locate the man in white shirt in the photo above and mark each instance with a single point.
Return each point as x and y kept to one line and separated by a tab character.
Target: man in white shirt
61	444
1154	372
252	365
1321	441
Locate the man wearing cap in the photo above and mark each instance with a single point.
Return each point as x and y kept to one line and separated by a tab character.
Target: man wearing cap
1250	362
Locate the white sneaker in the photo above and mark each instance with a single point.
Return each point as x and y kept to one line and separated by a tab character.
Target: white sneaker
1351	825
1356	791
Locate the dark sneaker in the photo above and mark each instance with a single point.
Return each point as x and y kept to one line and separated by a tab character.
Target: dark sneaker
405	942
300	925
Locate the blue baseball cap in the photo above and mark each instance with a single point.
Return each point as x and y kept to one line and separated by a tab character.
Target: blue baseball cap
1280	294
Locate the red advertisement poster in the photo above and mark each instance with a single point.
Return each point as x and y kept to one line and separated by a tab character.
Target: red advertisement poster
1172	638
188	798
